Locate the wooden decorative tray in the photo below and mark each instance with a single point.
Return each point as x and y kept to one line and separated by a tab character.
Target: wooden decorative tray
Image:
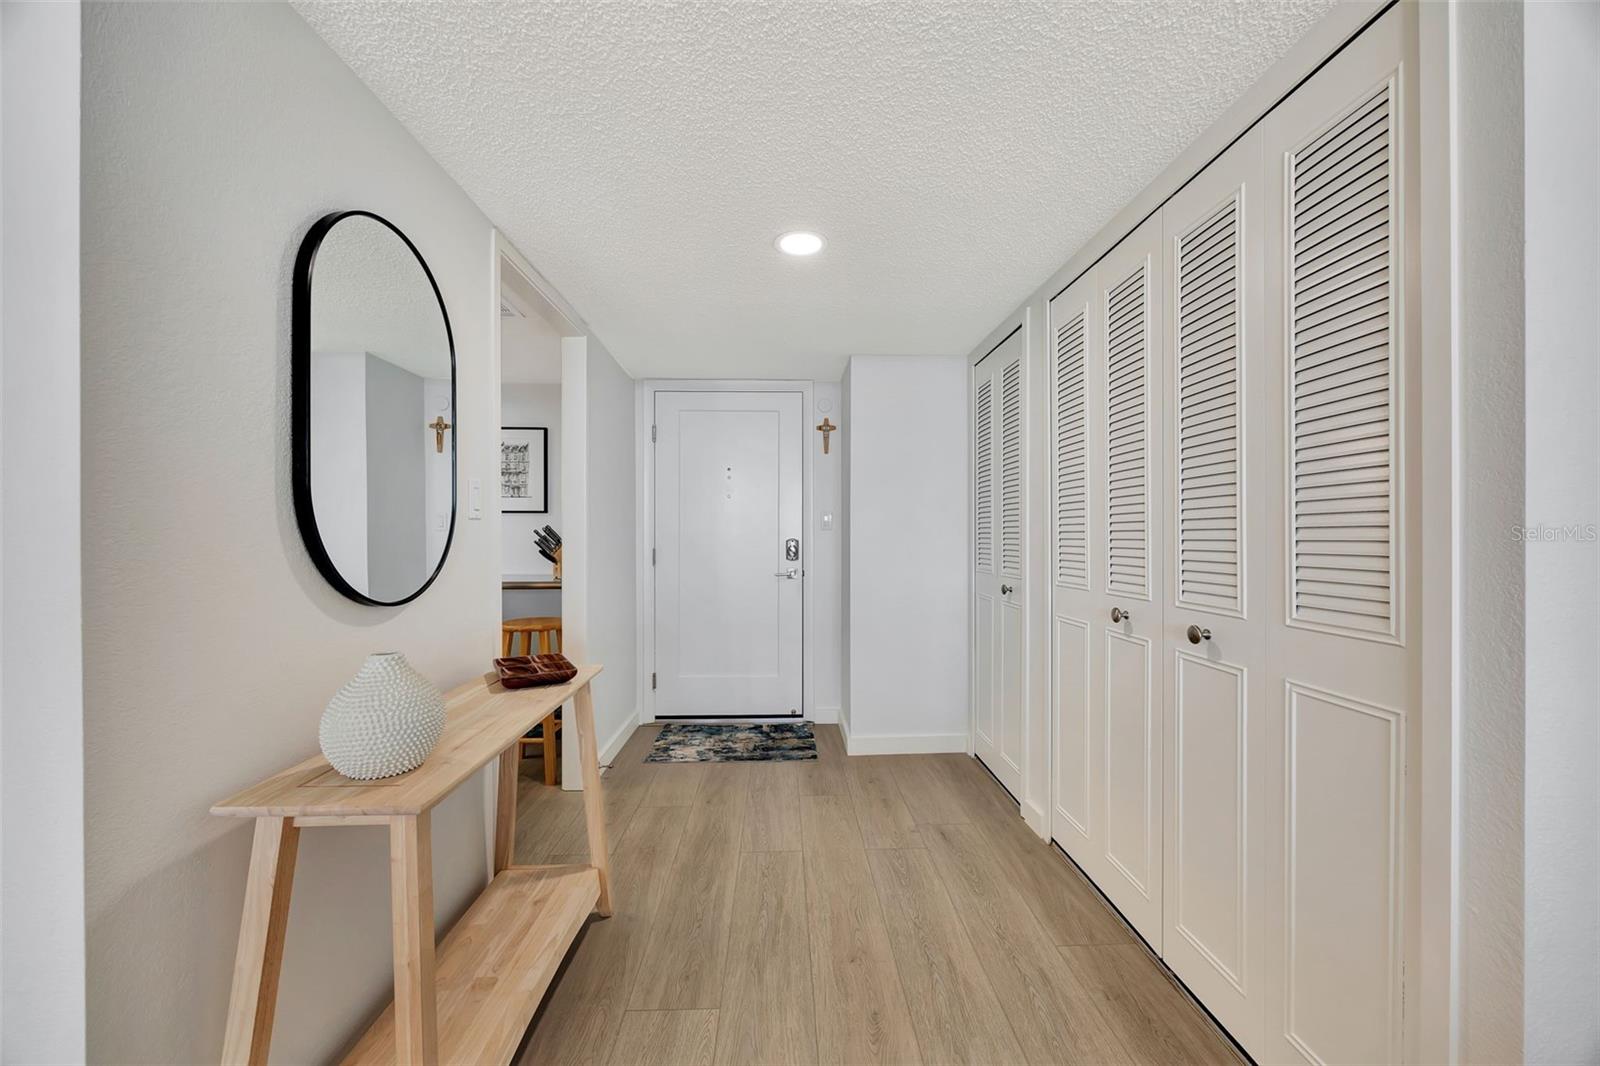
530	671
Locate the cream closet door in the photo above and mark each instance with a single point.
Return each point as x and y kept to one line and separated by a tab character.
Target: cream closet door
1075	642
1215	536
1125	609
1342	682
999	390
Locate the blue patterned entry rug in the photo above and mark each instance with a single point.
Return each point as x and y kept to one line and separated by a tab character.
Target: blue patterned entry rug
693	742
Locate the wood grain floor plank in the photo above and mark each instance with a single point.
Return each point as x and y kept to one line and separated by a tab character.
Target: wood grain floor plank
885	819
773	821
581	1015
1151	1017
682	966
926	787
957	1015
548	821
825	776
1057	894
1054	1018
1067	906
674	784
861	1012
883	949
666	1038
621	801
724	783
975	787
766	1013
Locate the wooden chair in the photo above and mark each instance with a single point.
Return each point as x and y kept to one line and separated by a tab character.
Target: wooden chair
550	739
548	629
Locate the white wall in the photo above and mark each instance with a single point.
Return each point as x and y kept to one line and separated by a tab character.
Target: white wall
1561	393
847	427
1489	96
598	563
1529	586
41	695
825	554
532	405
907	685
339	459
213	136
437	468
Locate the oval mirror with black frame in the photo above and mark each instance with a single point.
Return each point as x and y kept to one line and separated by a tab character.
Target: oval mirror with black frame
374	396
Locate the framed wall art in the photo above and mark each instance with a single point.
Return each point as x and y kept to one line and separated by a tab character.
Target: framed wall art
524	470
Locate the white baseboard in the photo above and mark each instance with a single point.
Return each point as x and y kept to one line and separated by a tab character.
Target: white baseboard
1037	820
844	729
825	715
913	744
610	748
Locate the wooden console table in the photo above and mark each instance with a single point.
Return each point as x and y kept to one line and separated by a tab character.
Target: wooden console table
470	1000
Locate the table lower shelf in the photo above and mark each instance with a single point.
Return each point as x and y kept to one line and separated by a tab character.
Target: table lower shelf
495	964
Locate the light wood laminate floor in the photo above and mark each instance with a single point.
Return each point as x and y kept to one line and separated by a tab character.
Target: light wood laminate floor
888	908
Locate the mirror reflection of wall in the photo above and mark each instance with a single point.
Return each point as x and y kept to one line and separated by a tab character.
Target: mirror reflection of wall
382	444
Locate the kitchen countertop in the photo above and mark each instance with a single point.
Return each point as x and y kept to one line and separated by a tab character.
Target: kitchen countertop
529	581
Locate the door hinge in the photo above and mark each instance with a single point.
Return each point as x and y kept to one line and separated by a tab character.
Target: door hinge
652	557
652	434
652	681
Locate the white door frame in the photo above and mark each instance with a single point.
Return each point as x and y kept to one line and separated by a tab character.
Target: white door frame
502	253
43	993
645	464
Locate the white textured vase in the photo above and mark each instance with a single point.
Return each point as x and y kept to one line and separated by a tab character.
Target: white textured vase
384	722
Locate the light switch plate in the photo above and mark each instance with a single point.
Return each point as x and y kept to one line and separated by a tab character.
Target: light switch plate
827	521
475	498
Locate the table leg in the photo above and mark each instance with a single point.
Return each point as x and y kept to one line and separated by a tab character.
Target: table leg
260	956
594	808
416	1021
552	749
505	809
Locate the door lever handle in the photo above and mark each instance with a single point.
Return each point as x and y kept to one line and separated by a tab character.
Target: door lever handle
789	573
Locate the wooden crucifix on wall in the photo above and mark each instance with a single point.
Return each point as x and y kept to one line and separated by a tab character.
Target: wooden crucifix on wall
826	428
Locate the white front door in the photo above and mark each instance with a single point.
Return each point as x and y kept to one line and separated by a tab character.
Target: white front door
729	559
1000	391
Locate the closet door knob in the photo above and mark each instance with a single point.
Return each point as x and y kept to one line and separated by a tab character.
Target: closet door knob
1006	590
1196	634
1119	615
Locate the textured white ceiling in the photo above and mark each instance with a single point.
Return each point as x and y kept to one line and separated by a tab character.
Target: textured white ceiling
370	294
953	152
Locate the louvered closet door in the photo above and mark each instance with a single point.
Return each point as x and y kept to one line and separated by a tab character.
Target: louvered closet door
1000	509
1342	679
1216	529
1127	596
1076	362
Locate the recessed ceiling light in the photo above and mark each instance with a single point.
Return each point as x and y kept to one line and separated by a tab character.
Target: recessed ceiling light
800	243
